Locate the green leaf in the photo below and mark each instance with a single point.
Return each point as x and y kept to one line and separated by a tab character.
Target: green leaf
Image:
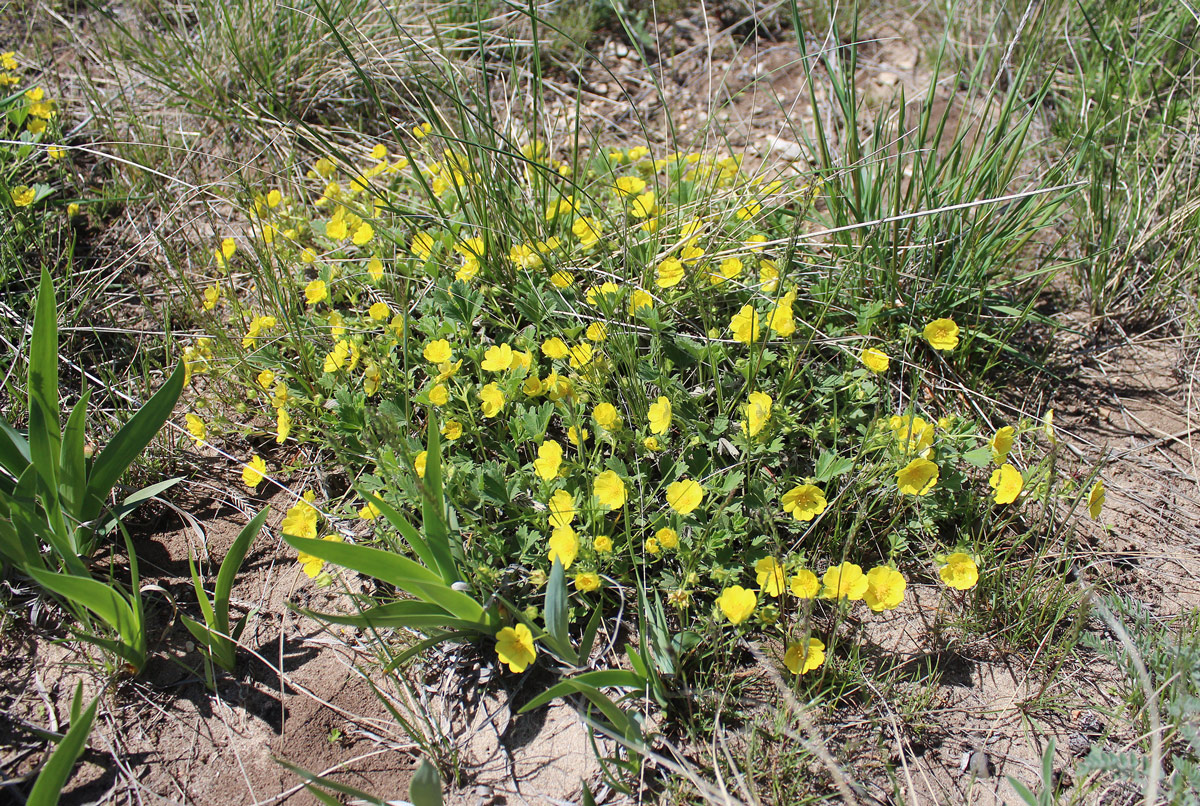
980	457
386	566
830	465
43	357
50	781
231	565
426	786
433	507
604	677
135	500
14	450
130	441
72	479
313	779
107	603
408	613
406	529
556	613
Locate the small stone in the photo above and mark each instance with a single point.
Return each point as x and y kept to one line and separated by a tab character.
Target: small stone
1079	744
887	78
785	149
621	49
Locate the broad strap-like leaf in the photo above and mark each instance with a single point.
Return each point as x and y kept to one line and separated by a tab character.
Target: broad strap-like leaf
128	443
43	359
72	467
231	565
53	777
620	720
386	566
622	678
14	450
433	508
556	614
105	601
409	532
135	500
426	786
408	613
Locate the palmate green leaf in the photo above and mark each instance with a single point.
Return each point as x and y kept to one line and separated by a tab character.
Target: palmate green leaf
50	781
386	566
129	442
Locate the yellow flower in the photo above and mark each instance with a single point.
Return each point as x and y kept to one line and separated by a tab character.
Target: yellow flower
652	546
845	581
369	512
587	230
606	416
372	379
758	412
745	325
885	588
196	429
72	210
379	311
336	227
498	358
447	370
629	186
660	416
577	436
315	292
563	206
685	495
781	320
421	245
564	546
562	508
913	433
452	429
942	334
301	519
1096	499
875	360
438	352
597	331
491	400
375	269
439	395
804	584
587	582
56	152
603	544
609	490
312	565
644	206
918	477
337	325
550	455
581	355
652	444
421	131
283	425
1001	443
749	211
669	274
279	395
363	234
1048	426
254	471
212	295
667	537
514	645
561	279
8	60
768	276
554	348
336	359
1006	481
801	659
804	502
959	571
737	603
769	574
640	299
730	268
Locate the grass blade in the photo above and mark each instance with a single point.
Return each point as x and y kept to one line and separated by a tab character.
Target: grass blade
50	781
